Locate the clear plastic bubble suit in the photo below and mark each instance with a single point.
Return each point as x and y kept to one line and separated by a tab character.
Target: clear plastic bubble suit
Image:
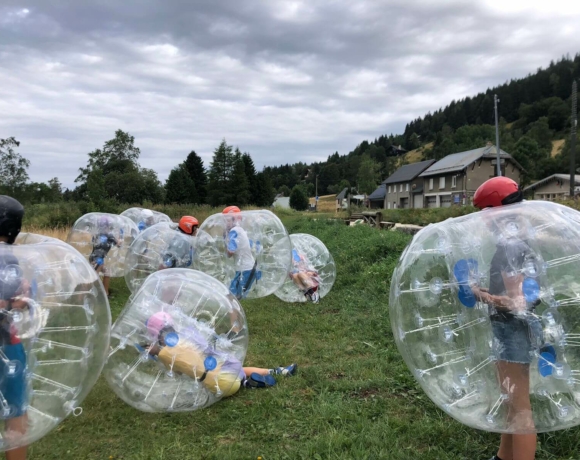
145	218
469	351
157	248
260	250
54	332
313	269
179	343
104	239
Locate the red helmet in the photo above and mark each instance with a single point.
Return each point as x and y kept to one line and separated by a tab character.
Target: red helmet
231	209
497	191
187	224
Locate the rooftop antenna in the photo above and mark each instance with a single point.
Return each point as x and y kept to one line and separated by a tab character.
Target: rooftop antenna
574	121
495	101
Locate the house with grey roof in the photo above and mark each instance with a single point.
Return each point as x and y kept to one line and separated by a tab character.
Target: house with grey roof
455	178
554	187
402	189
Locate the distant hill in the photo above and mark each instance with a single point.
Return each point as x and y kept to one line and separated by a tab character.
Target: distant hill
534	127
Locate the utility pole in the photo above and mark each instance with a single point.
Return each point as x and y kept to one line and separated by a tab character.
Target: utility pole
495	101
573	139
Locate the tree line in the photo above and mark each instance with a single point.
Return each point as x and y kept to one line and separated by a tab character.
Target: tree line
535	111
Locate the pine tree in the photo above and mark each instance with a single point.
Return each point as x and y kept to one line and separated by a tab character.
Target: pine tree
239	189
194	165
220	175
250	171
179	187
265	192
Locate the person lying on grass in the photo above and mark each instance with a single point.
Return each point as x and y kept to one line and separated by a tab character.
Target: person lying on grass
191	355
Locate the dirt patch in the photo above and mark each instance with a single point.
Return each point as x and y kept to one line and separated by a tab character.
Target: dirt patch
334	311
337	376
365	394
557	146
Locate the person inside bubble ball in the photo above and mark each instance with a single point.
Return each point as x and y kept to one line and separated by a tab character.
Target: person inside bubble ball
147	220
179	253
102	242
14	290
305	277
238	246
190	353
517	332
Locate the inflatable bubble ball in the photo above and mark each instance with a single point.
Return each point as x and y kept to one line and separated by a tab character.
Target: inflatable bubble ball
104	239
145	218
157	248
179	343
54	333
313	271
249	251
485	311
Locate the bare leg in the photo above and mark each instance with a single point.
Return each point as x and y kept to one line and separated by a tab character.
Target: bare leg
18	425
256	370
106	281
516	377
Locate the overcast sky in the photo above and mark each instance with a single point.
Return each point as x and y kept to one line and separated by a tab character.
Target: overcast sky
283	80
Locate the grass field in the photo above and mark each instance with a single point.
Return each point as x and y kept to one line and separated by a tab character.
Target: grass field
353	397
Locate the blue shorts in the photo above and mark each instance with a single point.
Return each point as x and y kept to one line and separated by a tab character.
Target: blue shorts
241	280
516	338
14	389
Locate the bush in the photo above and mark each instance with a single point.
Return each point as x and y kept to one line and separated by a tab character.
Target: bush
298	199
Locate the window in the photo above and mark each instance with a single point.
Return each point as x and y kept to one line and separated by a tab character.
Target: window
431	184
389	191
441	183
389	204
454	182
401	188
406	187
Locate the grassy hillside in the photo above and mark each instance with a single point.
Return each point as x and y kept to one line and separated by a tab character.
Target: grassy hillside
353	397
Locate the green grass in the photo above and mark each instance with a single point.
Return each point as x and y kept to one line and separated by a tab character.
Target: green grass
353	397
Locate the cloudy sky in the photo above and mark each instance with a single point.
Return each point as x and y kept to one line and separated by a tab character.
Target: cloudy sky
283	80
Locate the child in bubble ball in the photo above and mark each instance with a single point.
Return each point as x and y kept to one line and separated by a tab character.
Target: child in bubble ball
103	241
13	292
305	277
193	356
517	332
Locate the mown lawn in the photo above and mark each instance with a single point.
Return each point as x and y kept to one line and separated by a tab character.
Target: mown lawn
353	397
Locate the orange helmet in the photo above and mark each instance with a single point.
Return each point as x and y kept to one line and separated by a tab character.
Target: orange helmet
497	191
187	224
231	209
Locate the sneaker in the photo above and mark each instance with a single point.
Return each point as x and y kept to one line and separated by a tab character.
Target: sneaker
315	297
259	381
286	371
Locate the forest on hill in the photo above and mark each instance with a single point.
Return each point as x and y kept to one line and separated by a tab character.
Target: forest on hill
535	119
534	114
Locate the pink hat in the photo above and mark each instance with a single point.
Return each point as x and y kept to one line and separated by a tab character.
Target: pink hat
157	322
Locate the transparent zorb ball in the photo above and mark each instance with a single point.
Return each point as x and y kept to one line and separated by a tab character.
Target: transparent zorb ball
104	239
313	271
159	247
484	310
145	218
249	251
54	334
179	343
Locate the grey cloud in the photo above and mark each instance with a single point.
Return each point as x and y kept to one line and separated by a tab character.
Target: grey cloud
284	80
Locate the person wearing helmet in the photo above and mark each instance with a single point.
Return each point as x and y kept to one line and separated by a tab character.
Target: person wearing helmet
179	252
102	242
516	330
14	292
304	276
147	219
238	246
190	353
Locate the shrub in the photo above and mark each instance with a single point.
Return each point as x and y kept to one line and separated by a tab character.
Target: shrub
298	199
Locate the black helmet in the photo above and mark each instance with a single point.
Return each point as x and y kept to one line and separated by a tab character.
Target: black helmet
11	213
